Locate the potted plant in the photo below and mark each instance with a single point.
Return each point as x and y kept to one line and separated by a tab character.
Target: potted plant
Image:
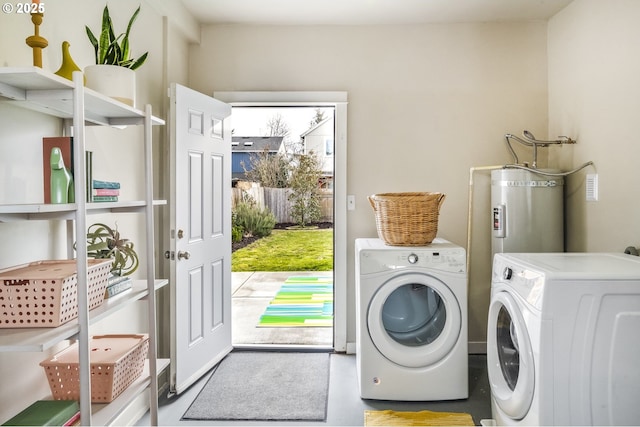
105	242
113	74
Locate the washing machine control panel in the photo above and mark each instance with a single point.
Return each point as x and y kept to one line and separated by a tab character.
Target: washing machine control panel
529	284
451	260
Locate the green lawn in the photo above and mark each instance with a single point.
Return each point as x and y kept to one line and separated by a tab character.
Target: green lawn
287	250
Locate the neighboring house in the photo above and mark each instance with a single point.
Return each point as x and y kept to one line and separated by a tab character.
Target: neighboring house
319	139
243	148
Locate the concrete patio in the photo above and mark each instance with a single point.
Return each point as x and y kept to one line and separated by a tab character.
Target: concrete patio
252	292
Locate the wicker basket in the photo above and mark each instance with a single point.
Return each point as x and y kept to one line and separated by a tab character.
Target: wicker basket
45	293
116	362
407	219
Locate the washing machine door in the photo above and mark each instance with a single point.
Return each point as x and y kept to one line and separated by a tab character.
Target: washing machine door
414	320
510	364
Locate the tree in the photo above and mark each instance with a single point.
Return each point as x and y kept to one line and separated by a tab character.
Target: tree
305	196
271	170
277	126
319	116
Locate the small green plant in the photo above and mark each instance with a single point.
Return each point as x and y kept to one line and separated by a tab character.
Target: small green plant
111	49
236	230
253	220
105	242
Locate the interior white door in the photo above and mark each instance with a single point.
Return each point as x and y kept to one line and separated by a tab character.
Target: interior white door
200	234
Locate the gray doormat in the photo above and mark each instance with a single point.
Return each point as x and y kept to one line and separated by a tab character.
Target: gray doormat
265	386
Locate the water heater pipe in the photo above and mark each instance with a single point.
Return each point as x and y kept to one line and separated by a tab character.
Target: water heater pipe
469	220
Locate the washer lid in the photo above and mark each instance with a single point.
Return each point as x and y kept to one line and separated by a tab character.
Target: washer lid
575	266
414	320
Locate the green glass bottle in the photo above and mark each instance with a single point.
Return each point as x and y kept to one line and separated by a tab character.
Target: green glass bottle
61	180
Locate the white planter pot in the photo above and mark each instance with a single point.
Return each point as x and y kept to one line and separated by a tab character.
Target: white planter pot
113	81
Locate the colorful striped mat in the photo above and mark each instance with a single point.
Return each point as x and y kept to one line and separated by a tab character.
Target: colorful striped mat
302	301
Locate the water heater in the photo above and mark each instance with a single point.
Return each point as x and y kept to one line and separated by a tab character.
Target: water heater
527	211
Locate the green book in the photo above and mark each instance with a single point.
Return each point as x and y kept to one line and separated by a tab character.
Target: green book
46	413
105	198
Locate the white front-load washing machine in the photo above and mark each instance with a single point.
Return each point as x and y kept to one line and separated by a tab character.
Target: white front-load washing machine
411	321
563	339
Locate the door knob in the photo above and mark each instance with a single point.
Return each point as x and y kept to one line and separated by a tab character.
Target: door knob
184	255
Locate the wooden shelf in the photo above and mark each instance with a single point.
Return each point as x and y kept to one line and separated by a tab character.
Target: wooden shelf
38	90
40	339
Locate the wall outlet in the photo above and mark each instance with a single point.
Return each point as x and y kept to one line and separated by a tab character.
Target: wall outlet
592	187
351	202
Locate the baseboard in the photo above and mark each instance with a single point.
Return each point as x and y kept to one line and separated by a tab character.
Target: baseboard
351	348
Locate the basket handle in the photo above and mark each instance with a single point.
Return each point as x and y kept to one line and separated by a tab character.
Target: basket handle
441	200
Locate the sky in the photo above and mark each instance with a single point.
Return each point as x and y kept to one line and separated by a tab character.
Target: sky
252	121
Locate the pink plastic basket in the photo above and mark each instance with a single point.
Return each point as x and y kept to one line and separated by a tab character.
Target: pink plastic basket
45	293
116	362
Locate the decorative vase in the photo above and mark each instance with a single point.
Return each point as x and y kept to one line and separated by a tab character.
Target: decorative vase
61	179
68	65
113	81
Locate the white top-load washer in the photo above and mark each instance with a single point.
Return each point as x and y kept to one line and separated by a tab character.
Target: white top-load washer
563	339
411	321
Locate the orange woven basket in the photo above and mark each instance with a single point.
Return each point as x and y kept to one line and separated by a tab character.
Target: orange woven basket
407	219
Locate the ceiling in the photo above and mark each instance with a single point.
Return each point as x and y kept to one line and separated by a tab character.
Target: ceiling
370	12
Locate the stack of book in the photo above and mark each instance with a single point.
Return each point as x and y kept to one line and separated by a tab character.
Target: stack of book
116	285
105	191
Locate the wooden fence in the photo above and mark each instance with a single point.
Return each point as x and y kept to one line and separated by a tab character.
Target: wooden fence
277	200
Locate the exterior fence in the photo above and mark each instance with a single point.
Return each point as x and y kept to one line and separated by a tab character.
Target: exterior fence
277	200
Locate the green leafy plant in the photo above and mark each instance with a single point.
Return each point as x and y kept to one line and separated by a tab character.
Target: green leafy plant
254	221
111	49
105	242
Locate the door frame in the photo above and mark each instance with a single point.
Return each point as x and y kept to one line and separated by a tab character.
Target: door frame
338	100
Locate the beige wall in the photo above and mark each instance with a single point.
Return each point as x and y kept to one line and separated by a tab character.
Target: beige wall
594	95
426	103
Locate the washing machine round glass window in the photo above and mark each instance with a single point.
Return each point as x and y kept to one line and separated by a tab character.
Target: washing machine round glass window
510	361
414	320
508	352
414	315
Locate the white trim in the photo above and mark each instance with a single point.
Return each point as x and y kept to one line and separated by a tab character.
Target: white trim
339	101
239	99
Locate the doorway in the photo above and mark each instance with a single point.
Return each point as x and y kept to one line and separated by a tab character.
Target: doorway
283	285
336	103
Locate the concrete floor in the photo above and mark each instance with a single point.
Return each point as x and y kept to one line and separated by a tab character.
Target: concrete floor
344	406
252	292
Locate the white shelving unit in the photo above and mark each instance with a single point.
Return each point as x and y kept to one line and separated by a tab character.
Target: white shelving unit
44	92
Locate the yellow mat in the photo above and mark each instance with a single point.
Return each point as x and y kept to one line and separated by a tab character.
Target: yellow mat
421	418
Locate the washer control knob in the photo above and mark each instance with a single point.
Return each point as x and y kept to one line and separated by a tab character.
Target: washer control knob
413	258
507	273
